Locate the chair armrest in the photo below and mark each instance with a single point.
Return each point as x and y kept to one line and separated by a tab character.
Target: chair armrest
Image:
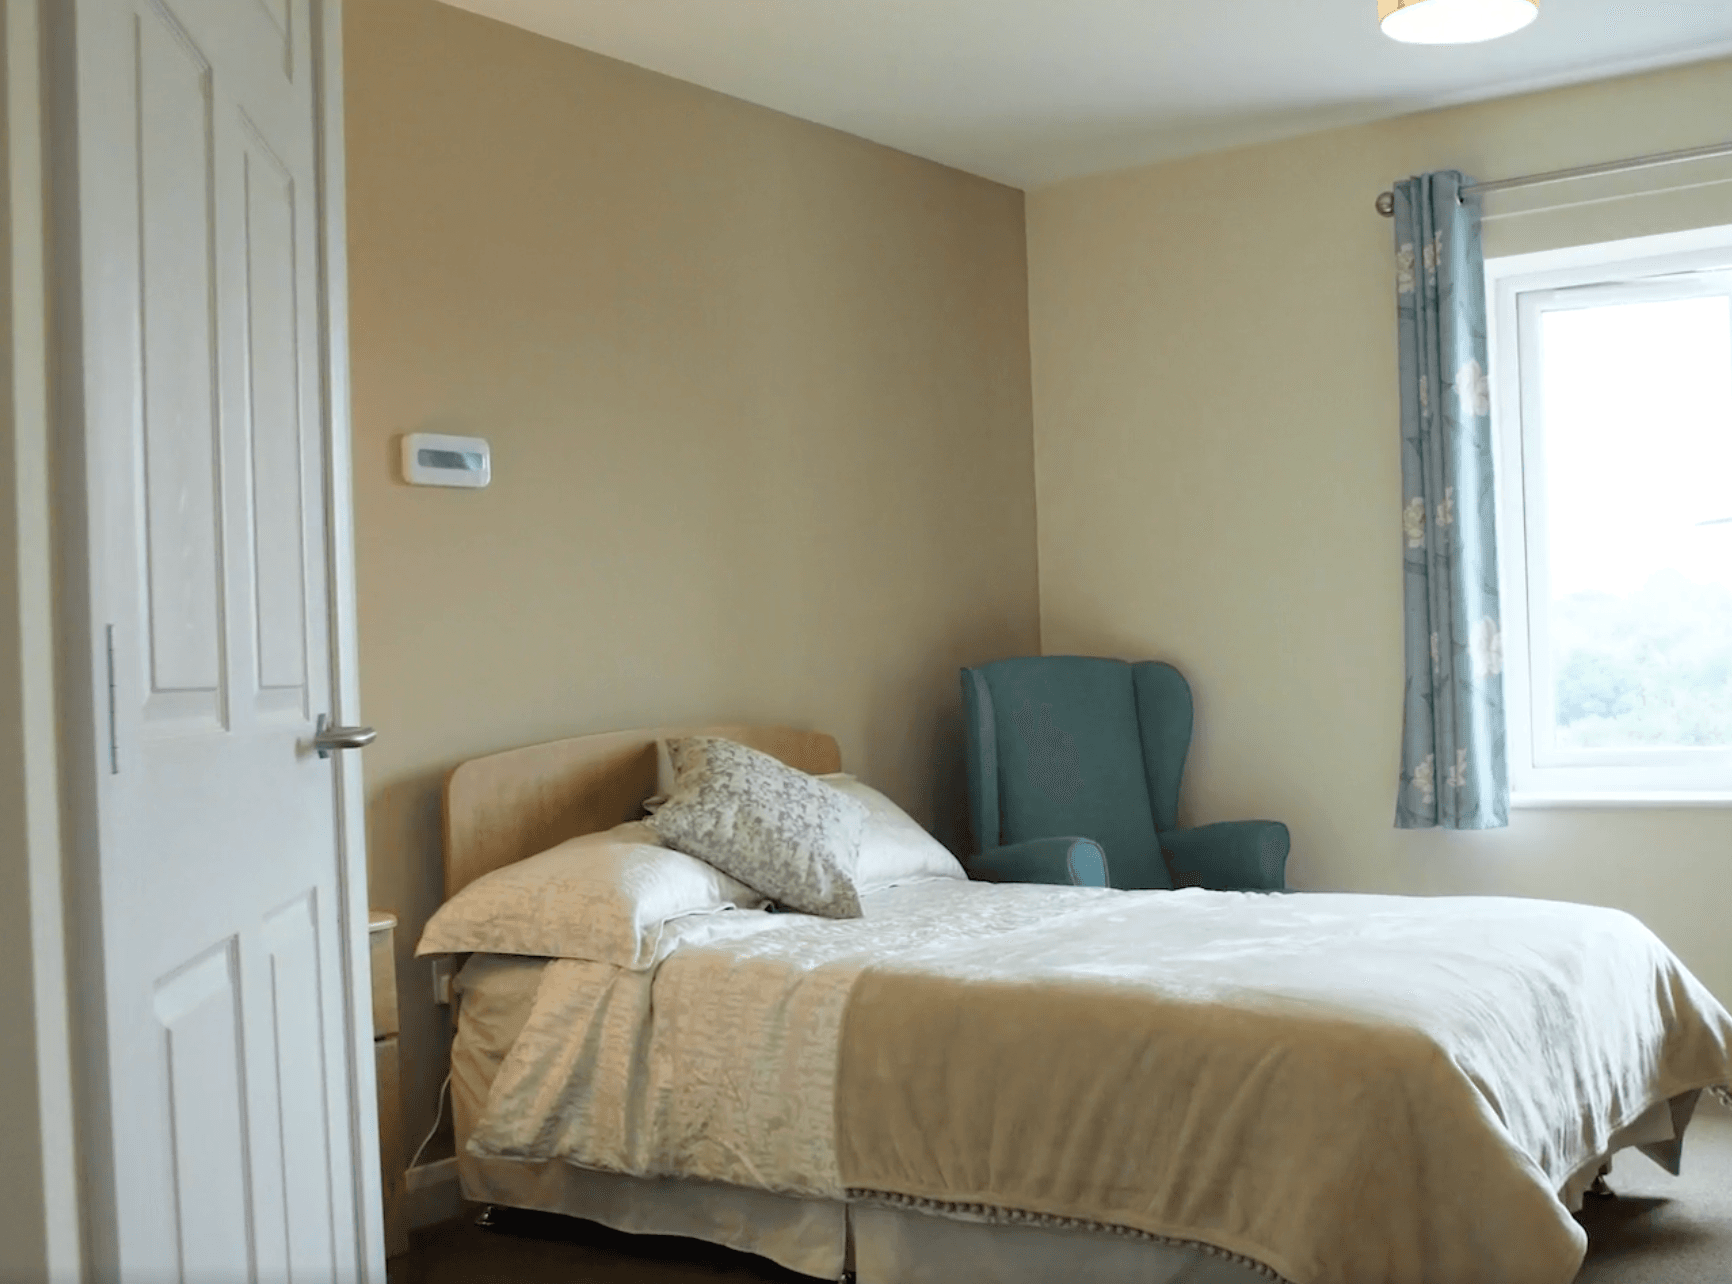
1233	856
1077	861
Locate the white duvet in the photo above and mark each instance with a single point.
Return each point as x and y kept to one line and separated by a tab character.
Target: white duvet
1567	1023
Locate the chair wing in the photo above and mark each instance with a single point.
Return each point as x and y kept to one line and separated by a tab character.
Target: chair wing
1164	717
980	731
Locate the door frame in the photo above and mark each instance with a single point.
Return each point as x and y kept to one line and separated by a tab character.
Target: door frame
41	131
43	1227
327	27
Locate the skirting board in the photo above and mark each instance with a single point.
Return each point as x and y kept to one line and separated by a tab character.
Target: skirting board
431	1194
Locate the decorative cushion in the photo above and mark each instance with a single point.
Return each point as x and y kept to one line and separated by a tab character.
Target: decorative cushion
780	831
602	897
894	848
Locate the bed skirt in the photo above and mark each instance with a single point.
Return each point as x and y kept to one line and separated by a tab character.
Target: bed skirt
827	1238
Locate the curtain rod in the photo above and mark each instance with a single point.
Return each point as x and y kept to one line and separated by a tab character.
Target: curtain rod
1386	201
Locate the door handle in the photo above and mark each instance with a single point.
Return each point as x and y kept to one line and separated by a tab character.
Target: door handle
326	737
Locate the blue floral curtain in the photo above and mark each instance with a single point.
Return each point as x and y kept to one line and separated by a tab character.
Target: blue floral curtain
1454	773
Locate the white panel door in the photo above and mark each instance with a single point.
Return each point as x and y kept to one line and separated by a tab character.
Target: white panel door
225	1068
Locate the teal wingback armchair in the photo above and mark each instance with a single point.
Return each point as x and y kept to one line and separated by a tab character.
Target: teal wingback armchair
1063	748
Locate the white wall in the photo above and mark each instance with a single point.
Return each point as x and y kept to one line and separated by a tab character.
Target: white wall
1218	476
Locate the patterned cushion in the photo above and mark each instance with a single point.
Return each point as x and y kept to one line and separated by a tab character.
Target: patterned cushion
781	832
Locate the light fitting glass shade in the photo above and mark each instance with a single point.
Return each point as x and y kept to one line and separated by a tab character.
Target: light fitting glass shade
1454	22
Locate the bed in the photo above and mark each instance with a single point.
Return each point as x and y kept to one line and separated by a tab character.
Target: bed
1013	1082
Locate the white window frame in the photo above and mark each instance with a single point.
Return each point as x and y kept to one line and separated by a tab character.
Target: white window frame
1518	287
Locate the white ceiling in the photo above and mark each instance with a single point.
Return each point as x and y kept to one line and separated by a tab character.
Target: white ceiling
1031	91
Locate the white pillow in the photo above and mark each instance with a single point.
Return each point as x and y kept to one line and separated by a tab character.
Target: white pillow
776	829
602	897
893	848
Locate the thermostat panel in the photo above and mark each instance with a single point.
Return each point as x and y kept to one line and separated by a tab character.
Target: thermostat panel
433	459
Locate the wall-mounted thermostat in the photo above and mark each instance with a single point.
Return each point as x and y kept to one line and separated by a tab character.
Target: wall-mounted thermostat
433	459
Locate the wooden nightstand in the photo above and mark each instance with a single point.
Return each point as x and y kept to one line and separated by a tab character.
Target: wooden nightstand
381	938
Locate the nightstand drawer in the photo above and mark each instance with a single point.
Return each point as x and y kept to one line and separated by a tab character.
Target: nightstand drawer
387	1071
381	938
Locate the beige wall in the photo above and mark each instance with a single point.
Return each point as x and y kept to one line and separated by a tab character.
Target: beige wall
1219	484
759	404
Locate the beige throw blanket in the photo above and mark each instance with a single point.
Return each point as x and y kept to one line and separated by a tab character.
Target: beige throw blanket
1349	1089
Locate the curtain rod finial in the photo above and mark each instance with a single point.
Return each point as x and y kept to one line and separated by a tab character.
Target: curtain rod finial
1386	204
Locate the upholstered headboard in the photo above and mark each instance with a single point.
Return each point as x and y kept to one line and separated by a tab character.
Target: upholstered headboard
507	806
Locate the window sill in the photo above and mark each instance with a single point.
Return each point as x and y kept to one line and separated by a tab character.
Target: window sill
1623	801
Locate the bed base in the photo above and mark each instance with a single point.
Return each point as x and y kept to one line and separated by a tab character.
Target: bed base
832	1240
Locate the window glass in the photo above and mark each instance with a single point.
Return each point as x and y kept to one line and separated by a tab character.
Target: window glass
1637	477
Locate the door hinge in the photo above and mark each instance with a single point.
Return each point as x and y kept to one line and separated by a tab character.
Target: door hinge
113	731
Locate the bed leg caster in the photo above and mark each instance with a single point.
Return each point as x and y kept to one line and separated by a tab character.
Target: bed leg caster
1600	1189
846	1277
488	1218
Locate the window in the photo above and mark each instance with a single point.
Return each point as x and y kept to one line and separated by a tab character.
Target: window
1613	372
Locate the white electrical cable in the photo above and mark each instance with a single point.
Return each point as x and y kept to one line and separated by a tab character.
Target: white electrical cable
438	1117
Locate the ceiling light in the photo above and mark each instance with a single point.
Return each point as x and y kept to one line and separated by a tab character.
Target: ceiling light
1454	22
